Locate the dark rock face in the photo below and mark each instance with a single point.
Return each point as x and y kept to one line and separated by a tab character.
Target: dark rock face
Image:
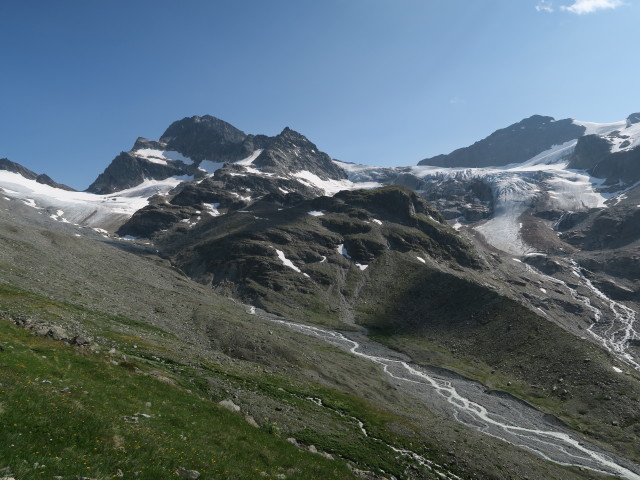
293	152
593	154
545	264
229	189
6	164
206	138
589	152
209	138
153	218
142	142
47	180
570	220
471	200
620	167
633	119
606	229
388	202
127	170
514	144
237	252
614	227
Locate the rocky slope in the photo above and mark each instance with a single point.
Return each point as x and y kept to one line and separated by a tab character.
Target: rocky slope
515	144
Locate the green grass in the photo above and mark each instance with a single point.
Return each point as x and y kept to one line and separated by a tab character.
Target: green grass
67	412
349	443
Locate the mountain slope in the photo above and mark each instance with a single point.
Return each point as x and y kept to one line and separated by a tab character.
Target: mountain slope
173	330
316	251
515	144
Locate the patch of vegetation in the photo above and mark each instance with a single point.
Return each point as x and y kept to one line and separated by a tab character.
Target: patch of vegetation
70	413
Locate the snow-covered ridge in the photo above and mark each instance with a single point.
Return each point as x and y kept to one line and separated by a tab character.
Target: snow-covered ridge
516	186
600	128
82	208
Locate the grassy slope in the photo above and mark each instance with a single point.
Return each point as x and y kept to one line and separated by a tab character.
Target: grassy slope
70	409
69	412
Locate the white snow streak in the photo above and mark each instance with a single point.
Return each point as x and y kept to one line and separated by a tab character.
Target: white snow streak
286	262
161	157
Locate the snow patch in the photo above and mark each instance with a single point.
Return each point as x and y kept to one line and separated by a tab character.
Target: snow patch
626	139
209	166
422	259
375	220
617	370
600	128
343	251
285	261
249	160
315	213
331	187
161	157
30	202
246	199
212	209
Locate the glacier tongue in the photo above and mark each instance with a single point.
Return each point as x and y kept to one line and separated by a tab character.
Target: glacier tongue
514	187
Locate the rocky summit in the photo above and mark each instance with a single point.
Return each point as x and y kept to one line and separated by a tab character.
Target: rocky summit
472	316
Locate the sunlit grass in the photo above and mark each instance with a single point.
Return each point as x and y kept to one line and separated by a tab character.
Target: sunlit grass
65	412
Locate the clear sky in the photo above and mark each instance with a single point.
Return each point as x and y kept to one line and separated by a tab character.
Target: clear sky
380	82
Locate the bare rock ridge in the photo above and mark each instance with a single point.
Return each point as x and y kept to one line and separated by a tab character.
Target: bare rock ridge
206	138
516	143
209	139
8	165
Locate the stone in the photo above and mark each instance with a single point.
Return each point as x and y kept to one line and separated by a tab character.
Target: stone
229	405
80	340
183	472
251	421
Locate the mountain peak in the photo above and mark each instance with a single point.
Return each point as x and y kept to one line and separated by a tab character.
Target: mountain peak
8	165
633	119
514	144
205	137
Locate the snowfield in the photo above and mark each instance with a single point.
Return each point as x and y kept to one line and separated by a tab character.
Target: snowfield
106	212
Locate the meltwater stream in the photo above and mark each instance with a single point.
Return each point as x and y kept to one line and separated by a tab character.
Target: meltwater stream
496	414
614	331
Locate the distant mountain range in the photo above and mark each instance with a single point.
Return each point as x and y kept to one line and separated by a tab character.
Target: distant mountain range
518	254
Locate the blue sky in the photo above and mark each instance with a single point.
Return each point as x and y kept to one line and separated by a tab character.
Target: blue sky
381	82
